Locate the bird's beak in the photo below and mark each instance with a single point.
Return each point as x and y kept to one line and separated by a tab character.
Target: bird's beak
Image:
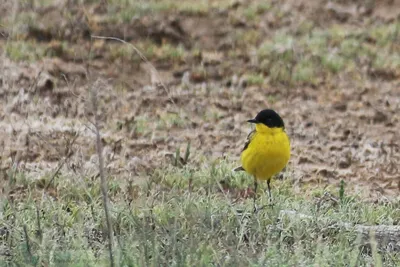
253	121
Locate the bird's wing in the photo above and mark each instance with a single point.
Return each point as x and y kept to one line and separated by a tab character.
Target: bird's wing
249	138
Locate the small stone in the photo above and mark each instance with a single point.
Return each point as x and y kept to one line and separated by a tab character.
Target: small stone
344	163
379	117
340	107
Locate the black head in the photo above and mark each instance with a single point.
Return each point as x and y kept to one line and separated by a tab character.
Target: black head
269	118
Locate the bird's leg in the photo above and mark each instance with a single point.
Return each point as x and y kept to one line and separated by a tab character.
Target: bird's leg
270	199
255	194
269	191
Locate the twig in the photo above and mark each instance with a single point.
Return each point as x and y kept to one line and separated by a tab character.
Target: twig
28	246
35	82
61	164
39	228
56	173
99	149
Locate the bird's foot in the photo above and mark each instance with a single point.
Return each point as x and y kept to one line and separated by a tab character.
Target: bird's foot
271	203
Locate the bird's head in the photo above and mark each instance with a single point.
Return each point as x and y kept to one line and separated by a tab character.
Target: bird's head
269	118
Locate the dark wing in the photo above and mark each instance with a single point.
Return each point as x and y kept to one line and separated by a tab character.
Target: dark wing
238	169
249	138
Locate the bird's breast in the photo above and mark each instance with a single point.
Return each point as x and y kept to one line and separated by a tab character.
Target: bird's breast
266	155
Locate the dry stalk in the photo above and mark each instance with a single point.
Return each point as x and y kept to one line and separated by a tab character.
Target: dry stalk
39	232
104	189
28	246
63	161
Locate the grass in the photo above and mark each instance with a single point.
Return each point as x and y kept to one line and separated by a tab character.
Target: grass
304	55
255	79
316	54
151	50
24	51
134	8
180	217
171	120
254	9
247	38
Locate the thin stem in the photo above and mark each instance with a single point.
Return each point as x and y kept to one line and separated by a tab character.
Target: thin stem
104	190
255	194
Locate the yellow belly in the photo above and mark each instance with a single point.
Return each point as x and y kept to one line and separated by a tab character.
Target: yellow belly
266	155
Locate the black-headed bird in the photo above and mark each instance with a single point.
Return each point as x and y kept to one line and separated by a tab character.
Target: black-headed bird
267	149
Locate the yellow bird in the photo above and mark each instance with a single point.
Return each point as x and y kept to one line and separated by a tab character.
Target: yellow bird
267	149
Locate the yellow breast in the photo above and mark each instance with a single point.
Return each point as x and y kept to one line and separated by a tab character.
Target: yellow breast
268	152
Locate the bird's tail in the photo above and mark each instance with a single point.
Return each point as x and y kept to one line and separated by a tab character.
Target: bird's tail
238	169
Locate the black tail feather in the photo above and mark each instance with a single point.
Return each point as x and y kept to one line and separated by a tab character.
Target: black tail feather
238	169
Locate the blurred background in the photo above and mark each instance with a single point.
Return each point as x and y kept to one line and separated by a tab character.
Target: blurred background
194	72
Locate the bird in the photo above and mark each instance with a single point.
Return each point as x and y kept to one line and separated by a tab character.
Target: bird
267	149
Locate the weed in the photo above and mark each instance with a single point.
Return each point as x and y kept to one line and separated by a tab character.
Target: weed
255	79
24	51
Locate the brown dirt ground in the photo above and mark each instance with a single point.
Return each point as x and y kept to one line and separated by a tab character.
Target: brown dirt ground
345	127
